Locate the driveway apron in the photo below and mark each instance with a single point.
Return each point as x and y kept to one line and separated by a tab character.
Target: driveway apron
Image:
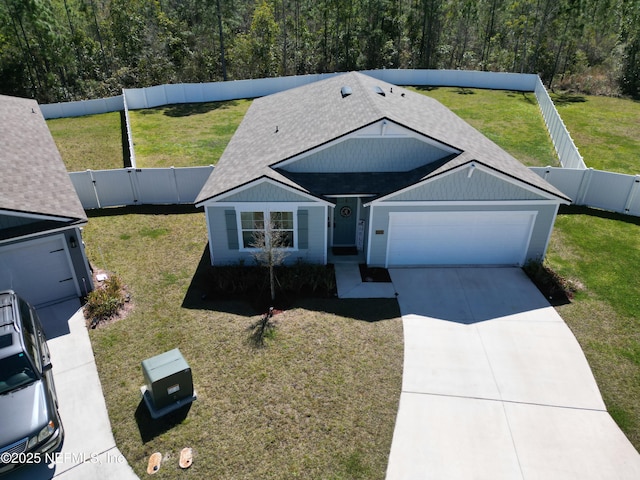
495	385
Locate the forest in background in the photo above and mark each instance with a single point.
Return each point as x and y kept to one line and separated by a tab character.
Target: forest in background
62	50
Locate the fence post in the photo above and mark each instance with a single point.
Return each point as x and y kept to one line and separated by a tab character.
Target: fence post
175	183
129	132
95	190
633	191
133	180
583	189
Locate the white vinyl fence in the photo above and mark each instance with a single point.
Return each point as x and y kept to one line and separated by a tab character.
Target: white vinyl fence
83	107
565	148
132	186
614	192
137	98
132	152
149	97
135	186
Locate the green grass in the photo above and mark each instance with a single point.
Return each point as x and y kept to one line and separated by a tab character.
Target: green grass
185	135
511	119
606	130
320	401
91	142
601	252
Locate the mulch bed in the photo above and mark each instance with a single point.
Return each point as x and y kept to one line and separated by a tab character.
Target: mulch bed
374	274
557	290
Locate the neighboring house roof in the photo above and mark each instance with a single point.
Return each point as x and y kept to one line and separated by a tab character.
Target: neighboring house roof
34	178
286	124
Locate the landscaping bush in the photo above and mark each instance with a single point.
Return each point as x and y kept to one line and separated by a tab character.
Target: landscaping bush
300	279
105	301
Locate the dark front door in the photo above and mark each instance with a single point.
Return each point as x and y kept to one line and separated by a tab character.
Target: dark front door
344	221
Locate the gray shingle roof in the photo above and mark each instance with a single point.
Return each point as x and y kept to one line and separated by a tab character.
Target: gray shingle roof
285	124
34	178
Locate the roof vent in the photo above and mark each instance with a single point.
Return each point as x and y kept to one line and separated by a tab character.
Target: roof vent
379	90
345	91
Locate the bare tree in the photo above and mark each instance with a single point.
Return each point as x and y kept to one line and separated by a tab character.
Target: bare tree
271	247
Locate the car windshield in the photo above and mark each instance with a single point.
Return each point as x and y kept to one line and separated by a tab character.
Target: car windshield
16	371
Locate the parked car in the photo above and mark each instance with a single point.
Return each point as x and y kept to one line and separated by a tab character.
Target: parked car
30	426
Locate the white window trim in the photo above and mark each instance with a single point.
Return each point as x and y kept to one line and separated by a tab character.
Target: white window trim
266	210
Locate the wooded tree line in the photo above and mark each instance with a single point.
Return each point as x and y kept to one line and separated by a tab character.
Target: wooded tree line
59	50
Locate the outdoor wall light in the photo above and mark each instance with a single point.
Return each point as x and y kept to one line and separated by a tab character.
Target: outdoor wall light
72	242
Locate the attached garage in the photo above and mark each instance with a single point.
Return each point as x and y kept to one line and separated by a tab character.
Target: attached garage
459	238
39	270
42	255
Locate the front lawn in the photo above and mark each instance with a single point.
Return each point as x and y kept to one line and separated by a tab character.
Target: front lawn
320	401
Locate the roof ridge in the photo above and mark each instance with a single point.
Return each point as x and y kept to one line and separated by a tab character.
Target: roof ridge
368	94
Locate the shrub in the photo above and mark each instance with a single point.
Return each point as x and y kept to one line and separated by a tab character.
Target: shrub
105	301
299	278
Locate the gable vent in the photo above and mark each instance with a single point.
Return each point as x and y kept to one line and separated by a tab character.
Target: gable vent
345	91
379	90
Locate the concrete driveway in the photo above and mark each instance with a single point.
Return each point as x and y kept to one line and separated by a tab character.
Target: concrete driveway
495	385
89	450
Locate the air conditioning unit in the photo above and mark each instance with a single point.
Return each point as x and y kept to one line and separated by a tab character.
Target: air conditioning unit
168	383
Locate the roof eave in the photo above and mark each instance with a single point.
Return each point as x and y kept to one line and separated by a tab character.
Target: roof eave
562	199
297	189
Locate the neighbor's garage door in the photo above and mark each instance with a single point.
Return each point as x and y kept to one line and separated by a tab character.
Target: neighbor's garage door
459	238
38	270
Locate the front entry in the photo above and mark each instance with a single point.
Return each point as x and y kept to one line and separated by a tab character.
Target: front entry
345	218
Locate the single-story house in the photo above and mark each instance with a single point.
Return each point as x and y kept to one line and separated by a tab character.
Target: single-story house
42	256
352	161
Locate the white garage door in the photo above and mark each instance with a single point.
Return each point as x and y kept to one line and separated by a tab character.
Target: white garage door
459	238
38	270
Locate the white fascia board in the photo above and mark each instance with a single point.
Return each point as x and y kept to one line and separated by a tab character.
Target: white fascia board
216	200
472	165
247	206
46	233
35	216
383	128
268	206
462	203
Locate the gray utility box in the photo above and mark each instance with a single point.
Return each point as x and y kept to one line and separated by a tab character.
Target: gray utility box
169	384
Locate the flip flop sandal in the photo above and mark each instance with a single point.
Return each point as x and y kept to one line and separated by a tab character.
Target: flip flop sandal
154	463
186	457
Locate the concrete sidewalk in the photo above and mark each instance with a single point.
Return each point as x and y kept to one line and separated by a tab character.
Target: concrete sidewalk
495	385
89	450
350	285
